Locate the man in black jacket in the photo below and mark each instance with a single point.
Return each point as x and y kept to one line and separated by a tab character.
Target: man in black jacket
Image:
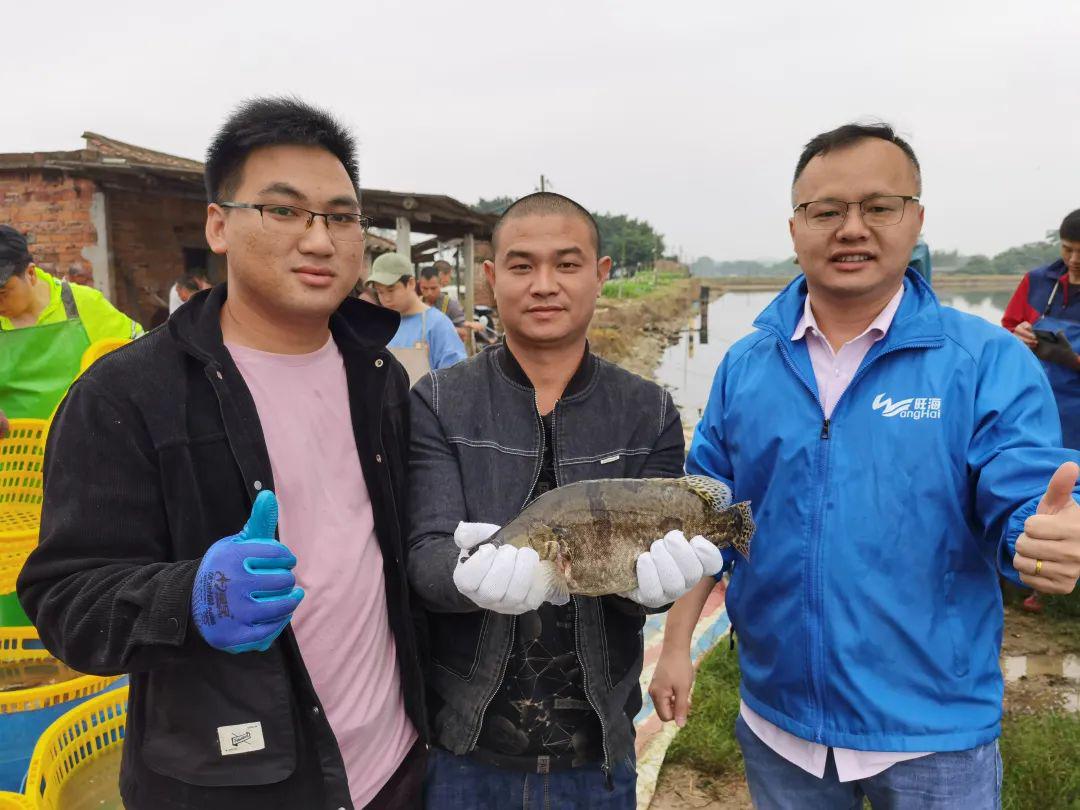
534	702
263	673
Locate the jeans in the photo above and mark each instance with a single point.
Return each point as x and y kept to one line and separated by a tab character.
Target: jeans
461	783
952	780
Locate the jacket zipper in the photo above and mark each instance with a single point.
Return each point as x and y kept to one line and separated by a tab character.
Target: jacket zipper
606	767
513	619
825	435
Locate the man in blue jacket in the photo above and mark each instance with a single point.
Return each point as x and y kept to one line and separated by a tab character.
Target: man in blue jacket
900	455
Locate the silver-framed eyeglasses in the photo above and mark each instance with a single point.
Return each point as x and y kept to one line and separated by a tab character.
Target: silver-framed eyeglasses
294	220
877	212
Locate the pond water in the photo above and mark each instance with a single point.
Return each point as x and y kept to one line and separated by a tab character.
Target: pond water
687	367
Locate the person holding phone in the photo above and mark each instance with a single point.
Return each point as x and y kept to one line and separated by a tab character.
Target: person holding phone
1044	313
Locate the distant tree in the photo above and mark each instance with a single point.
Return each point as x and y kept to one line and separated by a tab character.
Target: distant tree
496	205
978	264
629	242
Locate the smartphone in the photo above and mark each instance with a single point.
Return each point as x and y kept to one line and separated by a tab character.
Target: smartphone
1052	338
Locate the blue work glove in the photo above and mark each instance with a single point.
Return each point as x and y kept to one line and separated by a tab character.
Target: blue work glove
245	592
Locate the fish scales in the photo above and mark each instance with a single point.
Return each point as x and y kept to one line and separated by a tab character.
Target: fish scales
594	531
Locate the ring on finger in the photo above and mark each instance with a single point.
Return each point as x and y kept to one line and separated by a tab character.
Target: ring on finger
1038	567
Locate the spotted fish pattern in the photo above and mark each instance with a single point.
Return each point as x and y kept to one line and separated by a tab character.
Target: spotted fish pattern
592	532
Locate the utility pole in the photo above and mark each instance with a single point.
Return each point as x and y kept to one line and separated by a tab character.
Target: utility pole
542	183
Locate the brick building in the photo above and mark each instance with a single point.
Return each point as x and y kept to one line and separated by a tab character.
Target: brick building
136	218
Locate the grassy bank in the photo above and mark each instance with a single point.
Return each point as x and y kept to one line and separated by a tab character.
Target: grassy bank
942	281
1039	750
640	285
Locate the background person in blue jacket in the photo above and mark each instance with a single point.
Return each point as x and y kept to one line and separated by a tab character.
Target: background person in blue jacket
899	455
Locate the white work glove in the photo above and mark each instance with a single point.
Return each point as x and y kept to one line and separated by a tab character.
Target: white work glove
503	579
671	567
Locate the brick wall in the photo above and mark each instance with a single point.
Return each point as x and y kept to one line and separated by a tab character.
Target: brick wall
53	211
148	233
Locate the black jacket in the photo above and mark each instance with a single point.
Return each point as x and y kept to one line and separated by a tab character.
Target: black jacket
157	453
477	449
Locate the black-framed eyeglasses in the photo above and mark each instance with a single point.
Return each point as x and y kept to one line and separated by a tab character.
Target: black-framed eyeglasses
294	220
877	212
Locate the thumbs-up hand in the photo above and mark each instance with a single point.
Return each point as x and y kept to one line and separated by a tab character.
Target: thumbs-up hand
245	592
1048	551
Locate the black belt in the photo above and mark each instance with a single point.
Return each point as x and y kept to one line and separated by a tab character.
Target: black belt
537	764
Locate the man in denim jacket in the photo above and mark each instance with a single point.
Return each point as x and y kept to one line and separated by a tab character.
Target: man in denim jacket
533	699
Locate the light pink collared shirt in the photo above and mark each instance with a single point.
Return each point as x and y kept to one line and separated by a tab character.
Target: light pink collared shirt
833	372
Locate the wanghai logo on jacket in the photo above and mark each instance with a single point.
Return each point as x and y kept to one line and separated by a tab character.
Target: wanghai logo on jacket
908	408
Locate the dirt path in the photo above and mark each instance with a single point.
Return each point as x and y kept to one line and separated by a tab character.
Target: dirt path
683	788
634	332
1040	673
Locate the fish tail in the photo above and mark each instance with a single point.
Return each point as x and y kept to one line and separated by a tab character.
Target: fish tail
736	527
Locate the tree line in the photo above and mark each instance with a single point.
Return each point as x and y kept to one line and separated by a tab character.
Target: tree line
1013	261
631	243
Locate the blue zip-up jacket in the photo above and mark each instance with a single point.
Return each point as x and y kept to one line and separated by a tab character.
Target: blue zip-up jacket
869	615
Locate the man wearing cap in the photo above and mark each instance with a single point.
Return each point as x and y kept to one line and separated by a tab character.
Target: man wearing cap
45	326
426	339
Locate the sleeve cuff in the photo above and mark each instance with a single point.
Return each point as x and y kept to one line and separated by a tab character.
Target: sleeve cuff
1013	530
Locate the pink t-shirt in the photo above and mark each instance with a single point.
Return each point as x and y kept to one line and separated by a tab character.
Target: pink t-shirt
326	520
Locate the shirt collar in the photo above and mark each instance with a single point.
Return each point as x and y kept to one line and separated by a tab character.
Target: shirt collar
515	372
879	327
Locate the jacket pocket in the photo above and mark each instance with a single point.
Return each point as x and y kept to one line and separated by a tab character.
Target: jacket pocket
620	635
456	641
956	611
220	720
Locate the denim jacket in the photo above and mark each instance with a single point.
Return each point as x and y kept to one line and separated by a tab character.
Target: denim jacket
475	453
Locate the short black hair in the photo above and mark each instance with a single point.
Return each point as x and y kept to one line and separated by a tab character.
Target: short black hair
1070	227
189	282
273	121
429	272
849	135
547	203
443	266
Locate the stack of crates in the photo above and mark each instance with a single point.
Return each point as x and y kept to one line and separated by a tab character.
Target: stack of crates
22	454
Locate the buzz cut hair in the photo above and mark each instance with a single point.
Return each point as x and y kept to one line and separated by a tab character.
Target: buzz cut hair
546	203
849	135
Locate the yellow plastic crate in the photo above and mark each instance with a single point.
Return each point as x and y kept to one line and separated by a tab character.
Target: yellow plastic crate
22	454
86	733
11	563
99	349
14	801
22	644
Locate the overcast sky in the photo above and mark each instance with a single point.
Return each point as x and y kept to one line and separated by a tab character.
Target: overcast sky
687	113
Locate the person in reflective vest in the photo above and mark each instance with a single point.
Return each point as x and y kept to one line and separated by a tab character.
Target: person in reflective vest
45	326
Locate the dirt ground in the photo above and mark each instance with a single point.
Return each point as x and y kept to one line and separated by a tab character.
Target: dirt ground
634	332
683	788
1043	686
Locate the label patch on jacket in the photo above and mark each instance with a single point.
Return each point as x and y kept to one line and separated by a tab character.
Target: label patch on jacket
241	739
909	408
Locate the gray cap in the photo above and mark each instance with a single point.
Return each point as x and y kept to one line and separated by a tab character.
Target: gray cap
388	269
14	253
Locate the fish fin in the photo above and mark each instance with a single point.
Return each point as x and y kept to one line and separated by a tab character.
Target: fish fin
554	585
669	524
715	493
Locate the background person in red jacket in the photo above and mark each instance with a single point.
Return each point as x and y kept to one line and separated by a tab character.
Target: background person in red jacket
1048	299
